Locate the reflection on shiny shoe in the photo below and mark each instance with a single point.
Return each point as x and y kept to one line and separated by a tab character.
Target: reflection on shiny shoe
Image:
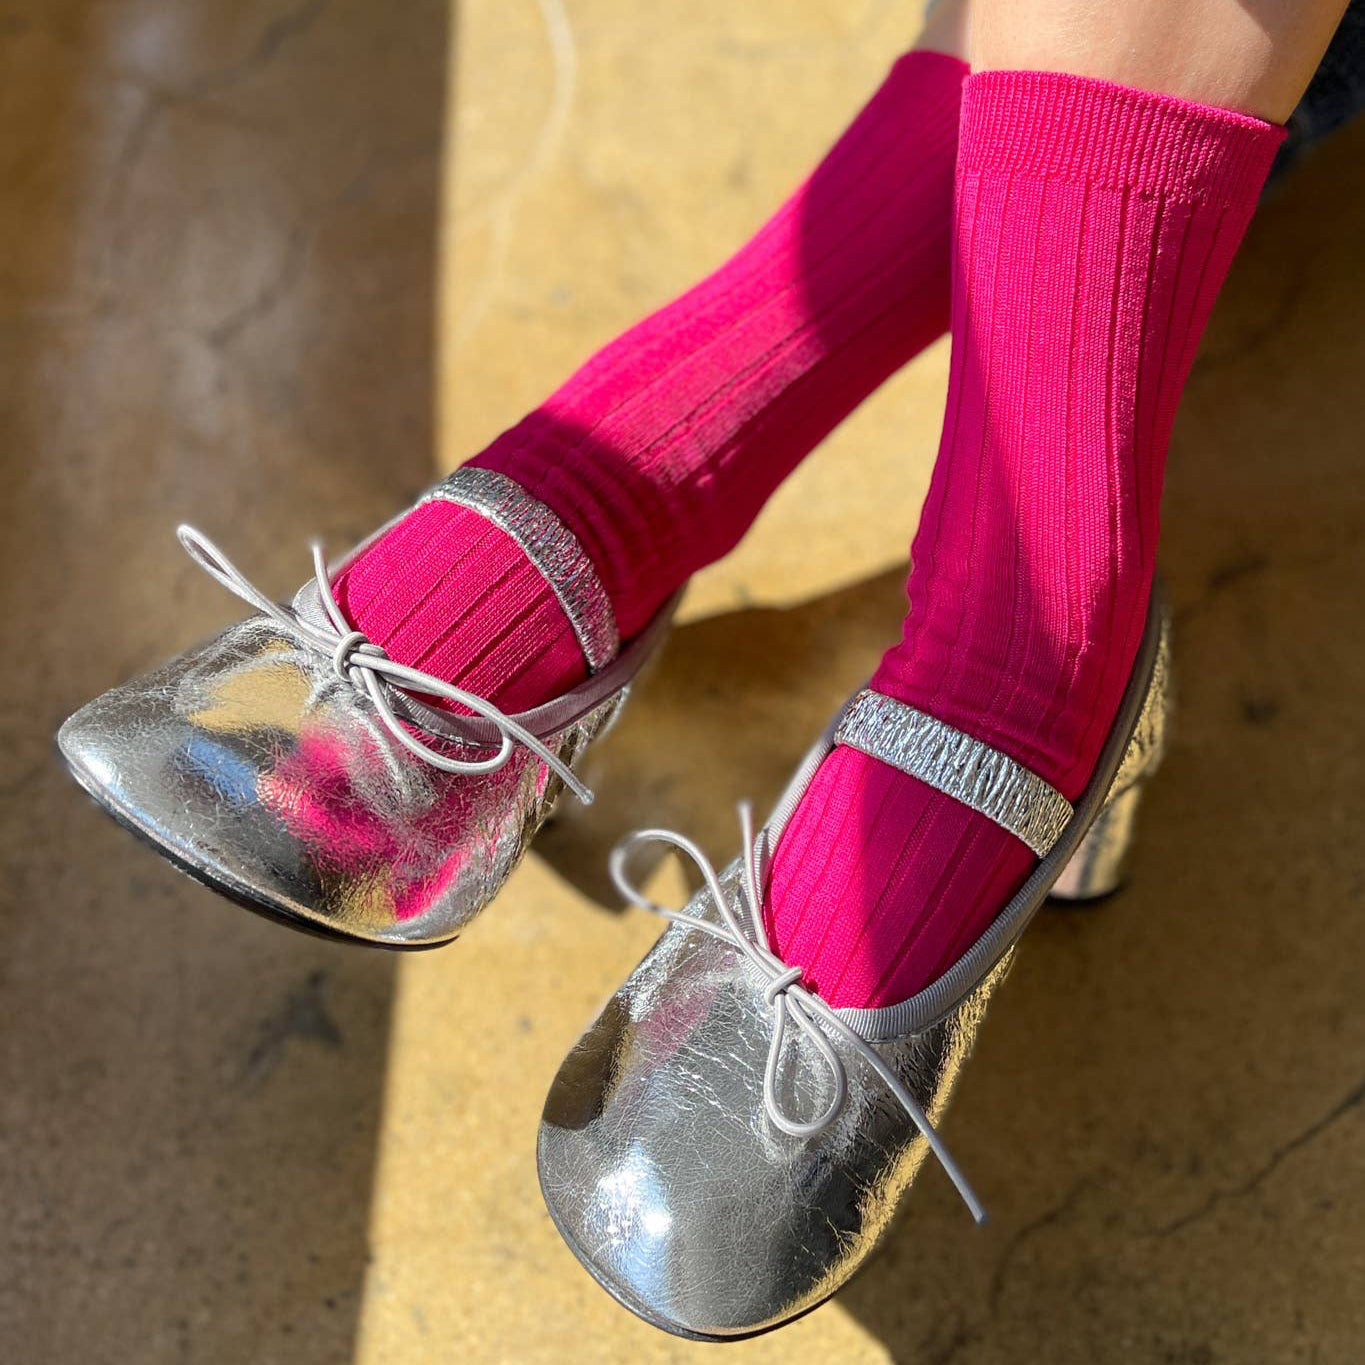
722	1149
289	763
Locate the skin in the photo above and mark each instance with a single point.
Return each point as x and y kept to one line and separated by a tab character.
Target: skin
1254	56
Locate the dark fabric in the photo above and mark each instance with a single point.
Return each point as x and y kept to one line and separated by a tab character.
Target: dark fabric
1336	94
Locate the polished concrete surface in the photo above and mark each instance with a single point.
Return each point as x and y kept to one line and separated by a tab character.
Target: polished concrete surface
267	265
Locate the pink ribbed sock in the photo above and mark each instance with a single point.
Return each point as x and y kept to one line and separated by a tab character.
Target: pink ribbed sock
1093	228
661	450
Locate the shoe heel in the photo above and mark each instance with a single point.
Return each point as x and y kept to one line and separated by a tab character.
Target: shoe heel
1098	866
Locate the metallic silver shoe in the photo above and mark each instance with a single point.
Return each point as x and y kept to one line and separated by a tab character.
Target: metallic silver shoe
722	1150
291	765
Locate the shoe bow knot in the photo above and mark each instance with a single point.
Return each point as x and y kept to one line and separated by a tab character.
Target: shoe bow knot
790	1001
365	665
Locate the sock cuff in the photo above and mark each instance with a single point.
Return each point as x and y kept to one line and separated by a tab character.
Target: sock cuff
1077	128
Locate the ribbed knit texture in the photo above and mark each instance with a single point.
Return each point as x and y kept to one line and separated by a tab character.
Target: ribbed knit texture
660	451
1094	226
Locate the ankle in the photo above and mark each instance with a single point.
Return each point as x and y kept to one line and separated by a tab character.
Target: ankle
448	592
610	505
1040	684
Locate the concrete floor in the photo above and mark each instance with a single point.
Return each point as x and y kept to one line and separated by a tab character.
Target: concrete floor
267	264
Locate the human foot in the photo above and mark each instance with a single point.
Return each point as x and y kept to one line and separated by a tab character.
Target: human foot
1094	227
722	1150
293	765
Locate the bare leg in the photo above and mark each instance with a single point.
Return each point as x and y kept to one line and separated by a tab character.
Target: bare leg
1255	56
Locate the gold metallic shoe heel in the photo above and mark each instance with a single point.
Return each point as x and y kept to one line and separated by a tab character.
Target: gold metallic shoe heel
1099	865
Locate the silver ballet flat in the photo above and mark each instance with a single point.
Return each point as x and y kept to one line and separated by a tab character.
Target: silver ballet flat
290	764
722	1149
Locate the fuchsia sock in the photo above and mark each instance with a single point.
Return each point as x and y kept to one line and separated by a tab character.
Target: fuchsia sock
661	450
1094	226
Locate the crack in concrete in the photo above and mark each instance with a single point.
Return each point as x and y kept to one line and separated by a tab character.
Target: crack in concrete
297	248
303	1015
273	37
1268	1167
162	99
301	238
1255	563
1045	1220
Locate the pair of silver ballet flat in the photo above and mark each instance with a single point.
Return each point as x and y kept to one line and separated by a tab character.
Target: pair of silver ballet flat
721	1150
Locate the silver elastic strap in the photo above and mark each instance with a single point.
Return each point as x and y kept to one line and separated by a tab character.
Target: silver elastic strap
954	763
549	545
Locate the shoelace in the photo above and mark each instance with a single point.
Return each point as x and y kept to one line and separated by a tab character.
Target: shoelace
367	668
783	993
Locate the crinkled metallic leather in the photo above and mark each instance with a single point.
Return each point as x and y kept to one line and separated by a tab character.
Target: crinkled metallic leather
1096	868
661	1169
1147	744
250	760
958	764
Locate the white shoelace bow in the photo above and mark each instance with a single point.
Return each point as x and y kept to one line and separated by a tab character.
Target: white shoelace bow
367	668
788	999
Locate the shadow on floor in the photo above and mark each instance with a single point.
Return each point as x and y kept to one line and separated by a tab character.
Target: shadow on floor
218	307
723	715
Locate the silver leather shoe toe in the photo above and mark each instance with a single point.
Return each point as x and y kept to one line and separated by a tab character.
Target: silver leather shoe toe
722	1150
288	763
